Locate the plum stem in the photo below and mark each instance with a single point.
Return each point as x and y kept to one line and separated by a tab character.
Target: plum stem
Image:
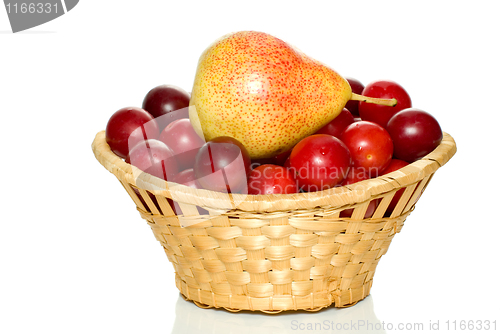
385	102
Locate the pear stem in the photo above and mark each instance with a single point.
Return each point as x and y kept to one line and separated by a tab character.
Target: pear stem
385	102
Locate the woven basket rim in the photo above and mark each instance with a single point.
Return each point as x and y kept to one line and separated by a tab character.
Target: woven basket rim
334	197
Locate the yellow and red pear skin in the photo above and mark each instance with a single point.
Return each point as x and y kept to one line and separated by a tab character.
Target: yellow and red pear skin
264	92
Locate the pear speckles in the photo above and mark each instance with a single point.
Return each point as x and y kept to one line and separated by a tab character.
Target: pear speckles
265	93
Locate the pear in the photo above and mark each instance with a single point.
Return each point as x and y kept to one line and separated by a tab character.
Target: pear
265	93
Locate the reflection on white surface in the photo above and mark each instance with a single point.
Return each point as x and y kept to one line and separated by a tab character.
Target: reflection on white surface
359	318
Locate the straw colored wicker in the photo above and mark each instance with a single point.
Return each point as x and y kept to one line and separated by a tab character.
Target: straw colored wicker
275	252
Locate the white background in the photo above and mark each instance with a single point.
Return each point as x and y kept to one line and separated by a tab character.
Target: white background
75	256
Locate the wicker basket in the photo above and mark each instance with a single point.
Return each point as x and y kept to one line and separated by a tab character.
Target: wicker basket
273	253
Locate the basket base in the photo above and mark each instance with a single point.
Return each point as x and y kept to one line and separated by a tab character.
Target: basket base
274	304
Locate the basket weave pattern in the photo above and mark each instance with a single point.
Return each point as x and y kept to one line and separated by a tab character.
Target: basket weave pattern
273	253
